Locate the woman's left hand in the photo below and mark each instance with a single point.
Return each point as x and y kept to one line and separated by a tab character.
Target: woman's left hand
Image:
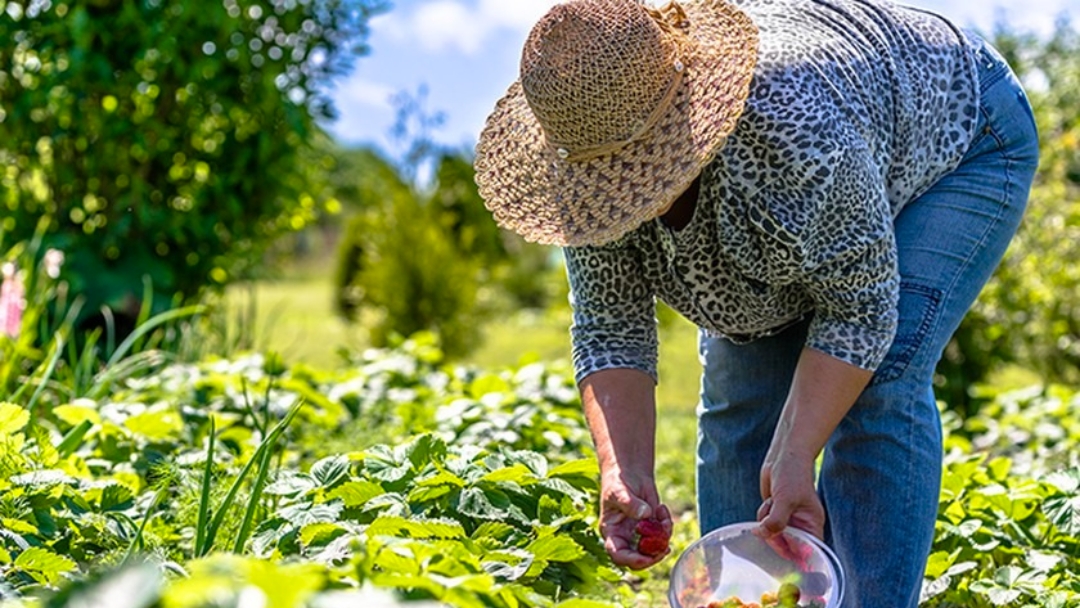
789	497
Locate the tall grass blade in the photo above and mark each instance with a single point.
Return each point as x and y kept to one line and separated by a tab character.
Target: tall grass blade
138	540
253	501
73	439
50	369
204	499
150	325
265	446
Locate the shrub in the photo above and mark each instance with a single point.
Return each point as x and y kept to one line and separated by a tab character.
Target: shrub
164	139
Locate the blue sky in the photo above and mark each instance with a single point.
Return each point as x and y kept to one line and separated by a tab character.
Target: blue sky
465	53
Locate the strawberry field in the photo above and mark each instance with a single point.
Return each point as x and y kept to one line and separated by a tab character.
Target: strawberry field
400	479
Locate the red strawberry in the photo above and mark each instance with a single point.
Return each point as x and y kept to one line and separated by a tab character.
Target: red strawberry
650	527
653	539
652	545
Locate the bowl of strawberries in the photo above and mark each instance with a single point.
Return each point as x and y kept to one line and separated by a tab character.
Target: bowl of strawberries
732	567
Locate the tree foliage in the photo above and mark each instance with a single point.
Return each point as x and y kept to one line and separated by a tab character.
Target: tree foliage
165	139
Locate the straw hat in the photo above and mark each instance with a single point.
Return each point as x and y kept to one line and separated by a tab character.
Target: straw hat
618	108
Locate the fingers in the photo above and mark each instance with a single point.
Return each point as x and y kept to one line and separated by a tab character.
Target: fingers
774	516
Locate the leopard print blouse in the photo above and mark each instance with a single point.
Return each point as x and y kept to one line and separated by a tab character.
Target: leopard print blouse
856	107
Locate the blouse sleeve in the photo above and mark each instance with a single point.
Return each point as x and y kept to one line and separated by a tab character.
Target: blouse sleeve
840	248
614	310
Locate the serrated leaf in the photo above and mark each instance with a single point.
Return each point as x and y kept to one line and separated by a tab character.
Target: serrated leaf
19	526
493	529
556	549
421	495
320	534
1064	513
44	562
488	504
585	467
330	470
116	497
392	502
534	461
517	473
39	479
291	484
304	514
415	528
5	557
12	418
356	493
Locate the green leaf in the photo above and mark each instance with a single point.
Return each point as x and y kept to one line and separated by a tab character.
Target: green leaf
44	562
330	470
415	528
161	425
19	526
319	534
489	504
117	497
73	415
584	603
356	493
488	383
585	467
42	479
556	549
292	484
1064	513
999	468
518	473
12	418
424	449
493	529
303	514
1002	597
939	562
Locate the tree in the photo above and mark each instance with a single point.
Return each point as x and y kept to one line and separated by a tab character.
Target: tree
164	139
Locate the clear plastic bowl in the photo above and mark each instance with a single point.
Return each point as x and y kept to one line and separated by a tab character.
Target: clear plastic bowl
734	562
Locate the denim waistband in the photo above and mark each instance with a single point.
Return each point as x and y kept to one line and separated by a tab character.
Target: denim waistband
989	63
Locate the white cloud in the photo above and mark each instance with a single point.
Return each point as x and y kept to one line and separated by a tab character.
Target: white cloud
462	26
360	92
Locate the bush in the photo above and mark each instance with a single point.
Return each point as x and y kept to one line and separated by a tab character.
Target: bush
164	139
433	261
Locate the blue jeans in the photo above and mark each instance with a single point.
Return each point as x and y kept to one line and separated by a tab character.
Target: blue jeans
880	474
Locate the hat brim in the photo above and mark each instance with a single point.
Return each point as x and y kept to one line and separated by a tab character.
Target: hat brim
532	191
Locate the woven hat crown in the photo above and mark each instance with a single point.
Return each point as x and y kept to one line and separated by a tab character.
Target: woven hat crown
596	73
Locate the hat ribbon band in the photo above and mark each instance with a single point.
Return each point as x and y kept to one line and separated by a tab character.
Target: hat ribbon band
591	152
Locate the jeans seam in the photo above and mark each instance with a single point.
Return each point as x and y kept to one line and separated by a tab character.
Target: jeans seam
950	291
896	368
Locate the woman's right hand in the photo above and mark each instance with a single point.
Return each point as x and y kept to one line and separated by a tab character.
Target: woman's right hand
626	499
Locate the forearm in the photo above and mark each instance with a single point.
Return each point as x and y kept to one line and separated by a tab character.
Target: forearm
823	390
620	408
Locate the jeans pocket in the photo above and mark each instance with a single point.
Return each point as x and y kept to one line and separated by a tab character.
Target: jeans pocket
918	308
